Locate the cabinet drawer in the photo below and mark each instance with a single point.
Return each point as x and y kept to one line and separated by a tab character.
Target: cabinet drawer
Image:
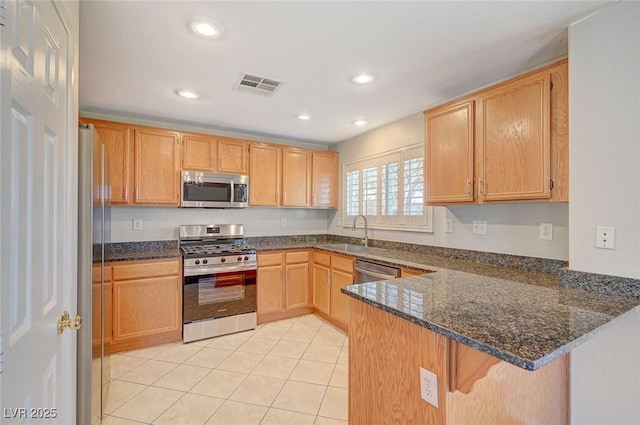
342	263
96	274
271	259
297	257
139	269
321	258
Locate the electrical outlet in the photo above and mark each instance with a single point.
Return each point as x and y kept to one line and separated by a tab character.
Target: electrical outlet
605	237
448	226
137	224
479	227
429	386
545	231
283	222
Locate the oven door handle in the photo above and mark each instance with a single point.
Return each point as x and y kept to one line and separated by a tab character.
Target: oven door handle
208	270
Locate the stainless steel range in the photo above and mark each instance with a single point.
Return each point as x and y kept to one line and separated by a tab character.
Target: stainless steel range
219	281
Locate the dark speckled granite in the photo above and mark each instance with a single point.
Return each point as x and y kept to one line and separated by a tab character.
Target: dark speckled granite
603	284
151	250
504	260
525	324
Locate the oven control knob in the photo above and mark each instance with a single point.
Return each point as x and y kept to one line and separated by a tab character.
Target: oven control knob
246	258
197	262
222	260
205	261
239	258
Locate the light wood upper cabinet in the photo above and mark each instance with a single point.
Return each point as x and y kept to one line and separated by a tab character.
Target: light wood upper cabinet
449	153
296	177
324	180
508	142
198	152
157	166
232	155
265	174
513	135
116	139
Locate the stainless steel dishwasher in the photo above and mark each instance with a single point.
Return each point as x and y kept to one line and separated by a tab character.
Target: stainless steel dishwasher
366	271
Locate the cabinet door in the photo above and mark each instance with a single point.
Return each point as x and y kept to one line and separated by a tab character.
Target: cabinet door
198	152
560	132
270	289
449	153
340	301
264	177
143	307
96	311
325	180
514	140
296	177
297	285
157	167
116	139
232	156
321	288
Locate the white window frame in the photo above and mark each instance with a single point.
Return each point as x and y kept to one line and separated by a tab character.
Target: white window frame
422	223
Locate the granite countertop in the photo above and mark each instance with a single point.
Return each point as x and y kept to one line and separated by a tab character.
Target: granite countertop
132	251
522	317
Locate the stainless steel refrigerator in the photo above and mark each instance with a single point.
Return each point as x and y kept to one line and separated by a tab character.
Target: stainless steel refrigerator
94	194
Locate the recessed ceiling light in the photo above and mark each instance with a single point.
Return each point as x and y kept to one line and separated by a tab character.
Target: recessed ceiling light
205	27
363	78
360	122
187	94
304	117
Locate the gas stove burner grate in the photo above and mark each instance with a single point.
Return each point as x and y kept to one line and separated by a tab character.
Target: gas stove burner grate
217	250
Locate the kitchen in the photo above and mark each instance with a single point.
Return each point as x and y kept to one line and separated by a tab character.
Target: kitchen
511	228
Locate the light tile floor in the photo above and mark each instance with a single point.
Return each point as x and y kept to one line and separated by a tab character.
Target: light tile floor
290	372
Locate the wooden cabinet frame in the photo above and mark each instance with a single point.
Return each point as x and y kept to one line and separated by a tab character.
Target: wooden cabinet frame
515	158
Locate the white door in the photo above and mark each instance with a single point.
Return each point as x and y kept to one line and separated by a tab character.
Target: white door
38	181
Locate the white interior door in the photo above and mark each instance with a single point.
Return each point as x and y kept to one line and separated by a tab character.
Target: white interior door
38	180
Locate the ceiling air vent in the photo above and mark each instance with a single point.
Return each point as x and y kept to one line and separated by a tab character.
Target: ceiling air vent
256	84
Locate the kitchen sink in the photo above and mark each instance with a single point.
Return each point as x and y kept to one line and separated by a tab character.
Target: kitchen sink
346	247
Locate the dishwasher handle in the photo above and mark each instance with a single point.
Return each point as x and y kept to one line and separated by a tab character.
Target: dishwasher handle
382	276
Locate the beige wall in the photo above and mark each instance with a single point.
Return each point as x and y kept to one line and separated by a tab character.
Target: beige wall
512	228
604	94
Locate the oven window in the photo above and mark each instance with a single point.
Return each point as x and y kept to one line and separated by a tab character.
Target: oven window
207	192
217	289
218	295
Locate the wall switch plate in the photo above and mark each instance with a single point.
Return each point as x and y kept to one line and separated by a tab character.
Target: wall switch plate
479	227
448	226
605	237
283	222
137	224
545	231
429	386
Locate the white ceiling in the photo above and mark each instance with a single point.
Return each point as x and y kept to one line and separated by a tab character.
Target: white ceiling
135	54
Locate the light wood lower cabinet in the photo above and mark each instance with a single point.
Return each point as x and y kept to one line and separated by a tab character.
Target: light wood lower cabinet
283	285
147	303
322	282
385	356
331	272
97	311
341	276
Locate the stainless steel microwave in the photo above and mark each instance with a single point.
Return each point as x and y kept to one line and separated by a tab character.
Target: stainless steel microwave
210	190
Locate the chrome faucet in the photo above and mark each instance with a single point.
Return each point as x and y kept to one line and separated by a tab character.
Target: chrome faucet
366	228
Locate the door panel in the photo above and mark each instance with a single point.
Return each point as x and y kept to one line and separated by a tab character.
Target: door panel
38	179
